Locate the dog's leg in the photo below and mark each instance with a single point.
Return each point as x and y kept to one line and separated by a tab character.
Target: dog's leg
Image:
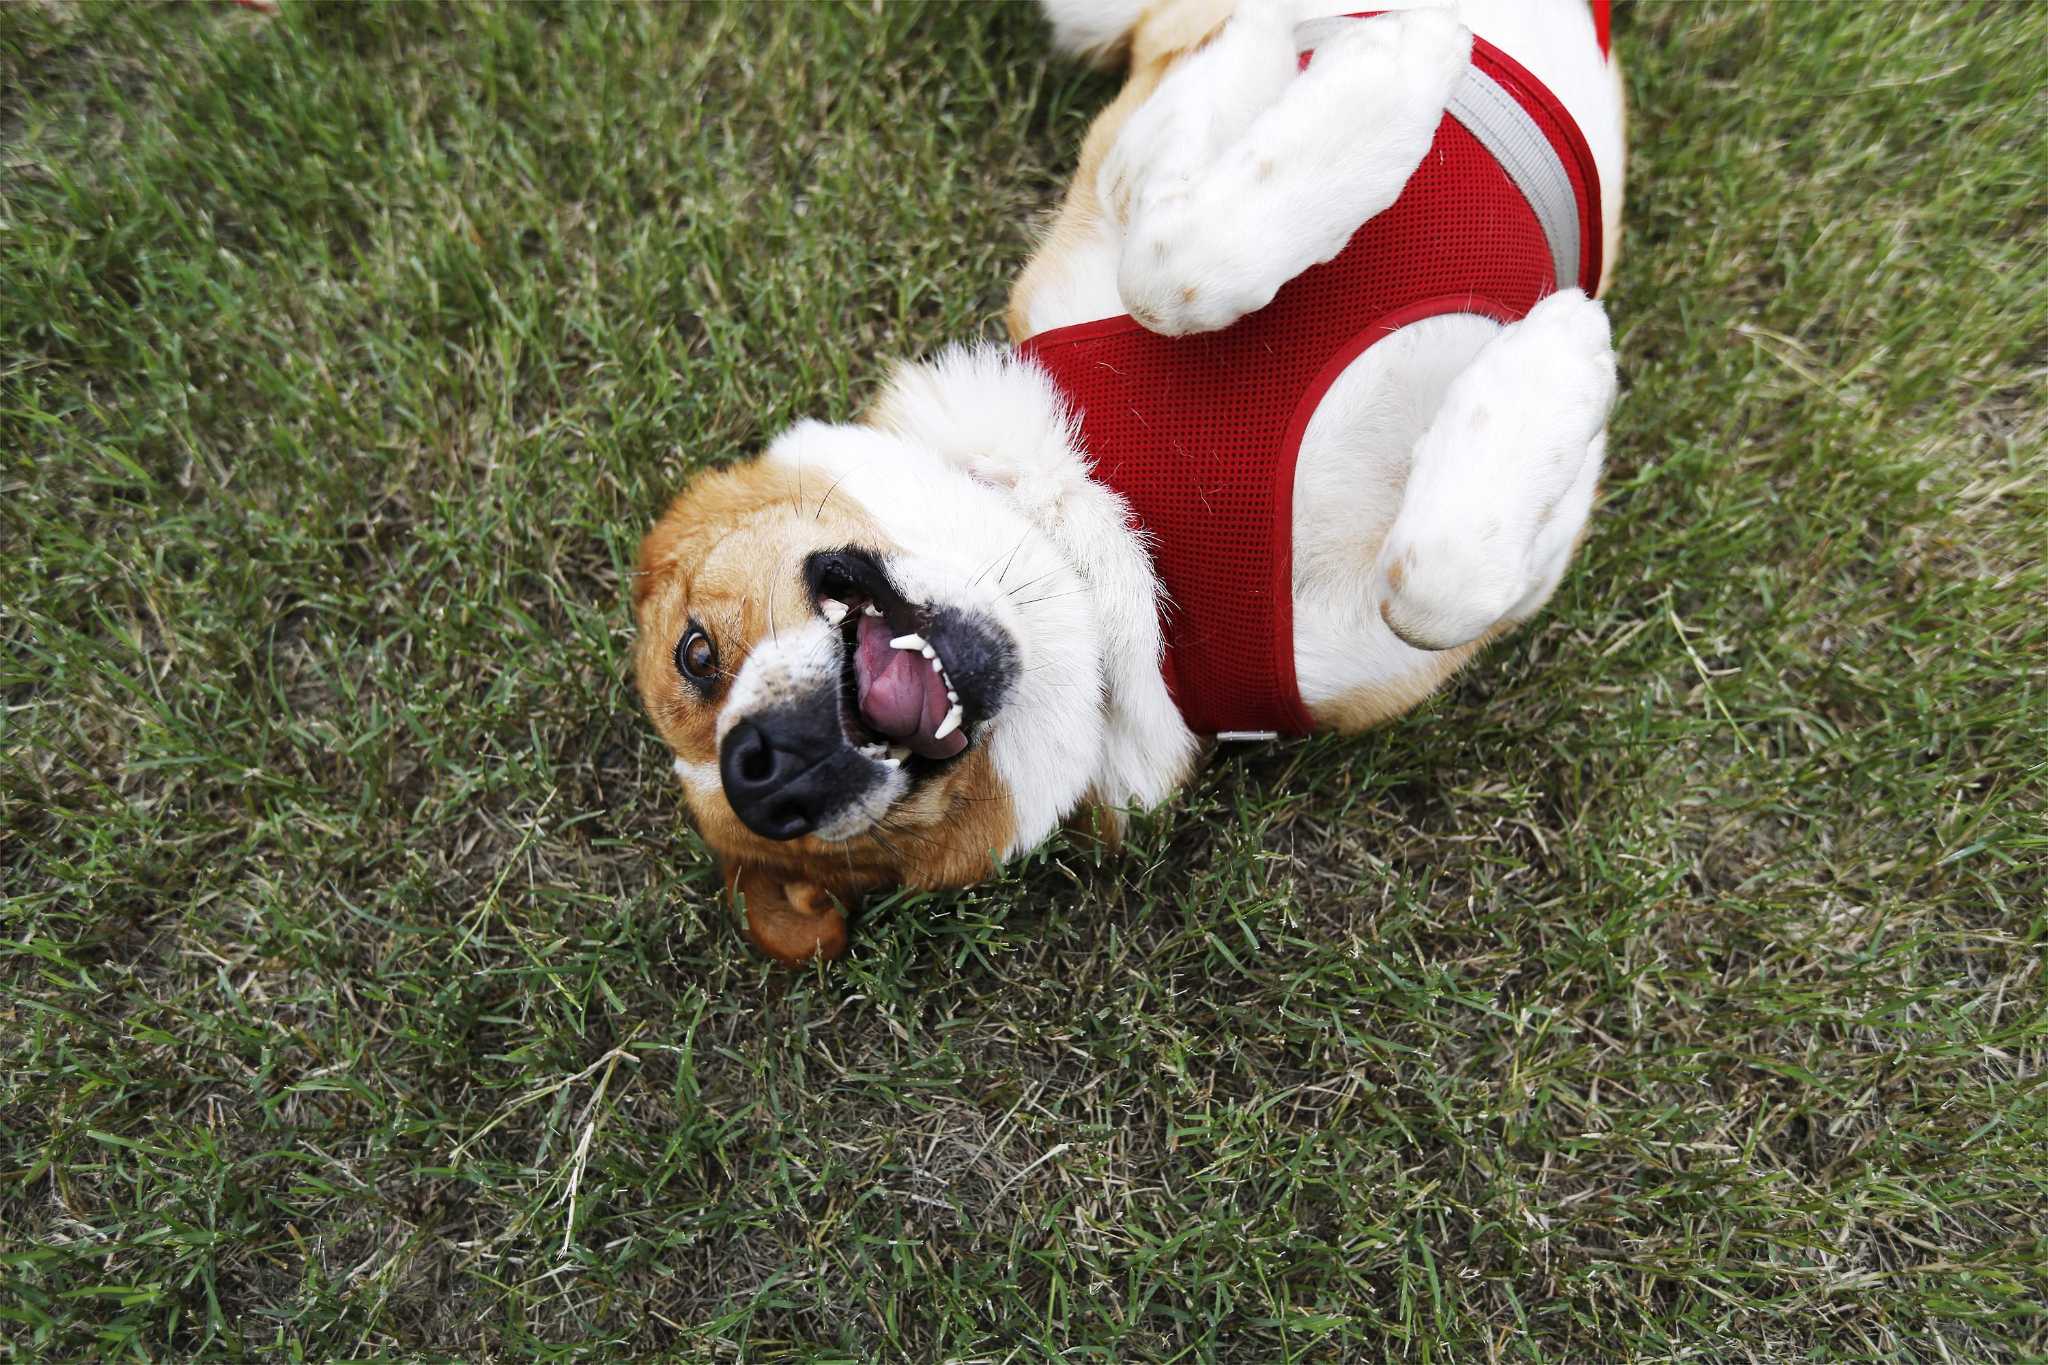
1238	174
1502	479
1199	109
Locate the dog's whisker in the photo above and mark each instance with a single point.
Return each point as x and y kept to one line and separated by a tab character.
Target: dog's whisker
1012	592
1006	566
875	834
1048	597
1012	560
828	494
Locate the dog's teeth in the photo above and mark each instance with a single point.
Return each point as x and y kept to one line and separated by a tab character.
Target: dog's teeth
898	752
911	641
872	610
929	652
834	611
949	724
952	696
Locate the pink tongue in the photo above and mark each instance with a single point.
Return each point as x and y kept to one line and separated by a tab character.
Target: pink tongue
901	695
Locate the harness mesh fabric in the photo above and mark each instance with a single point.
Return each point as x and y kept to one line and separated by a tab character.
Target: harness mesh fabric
1199	434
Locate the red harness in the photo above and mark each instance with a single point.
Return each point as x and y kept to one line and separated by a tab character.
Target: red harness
1200	434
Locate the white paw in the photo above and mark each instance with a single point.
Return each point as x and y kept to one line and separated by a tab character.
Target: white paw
1186	268
1202	106
1565	348
1207	244
1503	479
1412	56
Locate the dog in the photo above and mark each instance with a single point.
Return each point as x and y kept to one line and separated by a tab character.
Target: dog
1209	493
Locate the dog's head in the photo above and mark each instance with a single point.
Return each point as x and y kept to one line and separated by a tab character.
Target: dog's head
872	670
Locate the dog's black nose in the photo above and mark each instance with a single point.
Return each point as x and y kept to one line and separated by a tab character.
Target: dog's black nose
780	778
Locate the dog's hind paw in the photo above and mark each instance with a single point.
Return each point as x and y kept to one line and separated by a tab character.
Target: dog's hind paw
1503	479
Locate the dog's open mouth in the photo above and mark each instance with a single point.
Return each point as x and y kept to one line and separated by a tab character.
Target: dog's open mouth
901	697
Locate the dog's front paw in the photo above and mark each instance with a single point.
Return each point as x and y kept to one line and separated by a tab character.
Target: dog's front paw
1402	63
1503	480
1212	242
1187	268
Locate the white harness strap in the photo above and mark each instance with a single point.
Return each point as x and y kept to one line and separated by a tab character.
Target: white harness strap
1504	128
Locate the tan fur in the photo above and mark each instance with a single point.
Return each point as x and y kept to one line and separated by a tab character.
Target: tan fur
1366	707
1611	202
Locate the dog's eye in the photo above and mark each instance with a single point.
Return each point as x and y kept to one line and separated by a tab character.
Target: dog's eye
696	656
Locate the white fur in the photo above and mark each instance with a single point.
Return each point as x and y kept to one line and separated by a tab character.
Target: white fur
1092	30
791	663
968	543
1355	456
1503	479
1200	110
1001	421
702	779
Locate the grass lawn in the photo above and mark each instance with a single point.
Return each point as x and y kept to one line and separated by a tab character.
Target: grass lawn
1670	989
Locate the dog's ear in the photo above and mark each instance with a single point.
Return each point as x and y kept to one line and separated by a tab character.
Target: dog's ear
790	919
659	549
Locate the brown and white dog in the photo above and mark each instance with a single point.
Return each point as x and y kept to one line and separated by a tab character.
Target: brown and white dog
899	651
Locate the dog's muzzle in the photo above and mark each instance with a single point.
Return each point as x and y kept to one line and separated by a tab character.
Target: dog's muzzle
790	770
